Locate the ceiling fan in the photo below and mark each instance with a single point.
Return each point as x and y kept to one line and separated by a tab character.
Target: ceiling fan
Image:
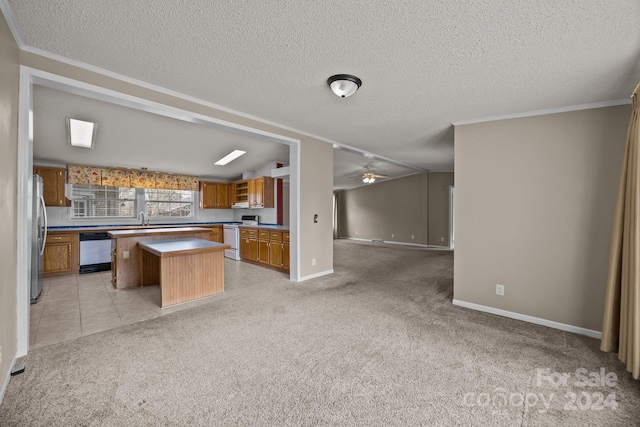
369	177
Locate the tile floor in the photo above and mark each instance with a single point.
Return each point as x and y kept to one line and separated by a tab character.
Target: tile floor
73	306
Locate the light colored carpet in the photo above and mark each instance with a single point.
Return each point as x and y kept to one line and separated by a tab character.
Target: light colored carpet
376	343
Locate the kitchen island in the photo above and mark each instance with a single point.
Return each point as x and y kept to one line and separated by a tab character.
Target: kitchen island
125	252
186	269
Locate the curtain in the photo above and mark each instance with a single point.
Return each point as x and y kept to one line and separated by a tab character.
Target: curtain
115	177
86	175
93	175
621	322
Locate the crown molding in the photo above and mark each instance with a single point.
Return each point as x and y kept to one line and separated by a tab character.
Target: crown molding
567	109
11	21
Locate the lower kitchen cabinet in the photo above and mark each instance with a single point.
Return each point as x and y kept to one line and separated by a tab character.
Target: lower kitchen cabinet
60	255
216	234
265	246
285	251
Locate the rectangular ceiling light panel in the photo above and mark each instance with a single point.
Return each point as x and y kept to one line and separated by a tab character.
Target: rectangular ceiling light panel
81	133
230	157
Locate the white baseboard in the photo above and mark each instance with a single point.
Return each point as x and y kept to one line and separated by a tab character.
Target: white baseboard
444	248
5	383
314	275
530	319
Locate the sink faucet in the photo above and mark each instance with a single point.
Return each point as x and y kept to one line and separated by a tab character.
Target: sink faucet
141	216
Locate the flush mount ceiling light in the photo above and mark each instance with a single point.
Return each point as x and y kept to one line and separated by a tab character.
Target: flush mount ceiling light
230	157
344	85
81	133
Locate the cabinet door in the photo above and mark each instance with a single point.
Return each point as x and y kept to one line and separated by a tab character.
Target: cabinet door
53	181
258	191
275	254
285	256
57	258
263	251
285	250
251	191
207	195
215	235
253	249
244	248
222	196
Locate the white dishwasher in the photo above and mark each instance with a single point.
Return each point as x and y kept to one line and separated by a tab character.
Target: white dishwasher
95	252
231	237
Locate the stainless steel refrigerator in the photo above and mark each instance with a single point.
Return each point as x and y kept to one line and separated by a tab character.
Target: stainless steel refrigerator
38	237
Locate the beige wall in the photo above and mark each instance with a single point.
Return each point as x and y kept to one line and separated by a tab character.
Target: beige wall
534	208
438	208
9	78
397	209
316	240
316	198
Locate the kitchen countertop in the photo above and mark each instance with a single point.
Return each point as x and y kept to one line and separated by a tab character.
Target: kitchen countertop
149	231
103	228
108	227
163	248
270	227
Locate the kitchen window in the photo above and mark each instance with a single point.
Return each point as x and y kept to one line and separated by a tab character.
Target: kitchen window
168	203
97	201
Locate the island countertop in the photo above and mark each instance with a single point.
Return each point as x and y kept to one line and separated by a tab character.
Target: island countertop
165	248
151	231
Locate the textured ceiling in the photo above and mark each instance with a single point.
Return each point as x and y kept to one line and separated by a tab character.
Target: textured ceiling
423	63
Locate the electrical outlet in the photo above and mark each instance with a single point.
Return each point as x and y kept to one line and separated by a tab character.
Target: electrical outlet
356	233
412	237
125	254
442	239
313	261
393	235
500	290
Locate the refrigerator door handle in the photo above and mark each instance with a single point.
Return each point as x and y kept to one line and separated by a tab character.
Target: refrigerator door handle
44	212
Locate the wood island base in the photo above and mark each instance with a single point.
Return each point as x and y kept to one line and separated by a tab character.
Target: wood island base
186	269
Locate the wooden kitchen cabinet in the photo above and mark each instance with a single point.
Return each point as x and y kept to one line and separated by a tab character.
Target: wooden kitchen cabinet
216	234
261	192
285	251
258	192
60	255
275	249
249	244
265	246
53	180
214	195
240	192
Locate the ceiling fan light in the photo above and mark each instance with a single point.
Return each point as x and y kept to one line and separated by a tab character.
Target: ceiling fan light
344	85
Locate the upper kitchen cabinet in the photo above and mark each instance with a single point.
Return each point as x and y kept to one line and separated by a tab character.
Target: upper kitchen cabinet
261	195
53	180
214	195
261	192
253	192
